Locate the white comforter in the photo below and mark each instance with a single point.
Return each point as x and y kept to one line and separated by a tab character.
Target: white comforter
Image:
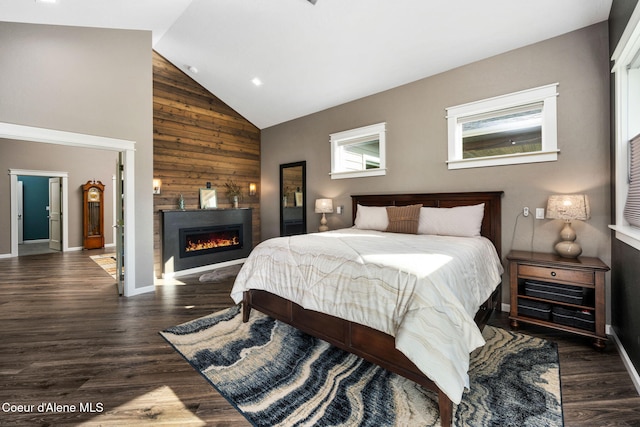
424	290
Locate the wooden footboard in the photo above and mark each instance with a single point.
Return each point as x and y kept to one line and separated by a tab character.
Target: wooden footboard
370	344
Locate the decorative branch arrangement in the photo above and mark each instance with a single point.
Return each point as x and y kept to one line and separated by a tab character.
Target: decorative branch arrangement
234	192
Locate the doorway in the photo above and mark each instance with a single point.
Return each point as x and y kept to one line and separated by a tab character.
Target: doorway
71	139
61	234
39	203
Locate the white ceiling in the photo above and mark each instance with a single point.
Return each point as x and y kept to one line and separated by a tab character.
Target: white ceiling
310	58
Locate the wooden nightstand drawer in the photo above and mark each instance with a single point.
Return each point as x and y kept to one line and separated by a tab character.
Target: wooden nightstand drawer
549	273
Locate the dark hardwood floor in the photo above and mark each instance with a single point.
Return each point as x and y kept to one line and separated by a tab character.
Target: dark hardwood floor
67	339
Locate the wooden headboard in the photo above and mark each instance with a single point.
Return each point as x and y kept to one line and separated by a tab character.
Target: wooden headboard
491	223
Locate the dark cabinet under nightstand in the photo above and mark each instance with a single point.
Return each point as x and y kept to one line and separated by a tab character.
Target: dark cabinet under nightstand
561	293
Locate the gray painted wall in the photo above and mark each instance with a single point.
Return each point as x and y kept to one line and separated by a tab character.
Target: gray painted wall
82	165
90	81
417	142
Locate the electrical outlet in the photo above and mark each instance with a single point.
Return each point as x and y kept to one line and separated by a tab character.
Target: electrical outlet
525	211
539	213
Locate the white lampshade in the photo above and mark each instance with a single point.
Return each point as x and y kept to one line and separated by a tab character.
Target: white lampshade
324	206
568	207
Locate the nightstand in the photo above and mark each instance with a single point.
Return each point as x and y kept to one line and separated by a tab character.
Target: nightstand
567	294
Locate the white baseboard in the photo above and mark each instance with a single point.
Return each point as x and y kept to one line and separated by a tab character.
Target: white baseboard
5	255
202	269
633	373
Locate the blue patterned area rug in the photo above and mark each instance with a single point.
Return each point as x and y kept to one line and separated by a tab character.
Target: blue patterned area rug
276	375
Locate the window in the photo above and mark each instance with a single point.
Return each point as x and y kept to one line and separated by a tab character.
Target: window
516	128
626	71
632	204
358	152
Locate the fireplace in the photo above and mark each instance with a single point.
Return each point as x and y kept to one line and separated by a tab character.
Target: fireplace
198	241
194	238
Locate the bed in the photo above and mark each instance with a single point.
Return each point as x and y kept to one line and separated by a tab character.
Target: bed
369	336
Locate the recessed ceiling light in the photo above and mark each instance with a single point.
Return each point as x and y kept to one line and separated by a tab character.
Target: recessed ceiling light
256	81
46	1
193	69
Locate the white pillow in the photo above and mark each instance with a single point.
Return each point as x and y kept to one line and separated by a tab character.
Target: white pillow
464	221
371	218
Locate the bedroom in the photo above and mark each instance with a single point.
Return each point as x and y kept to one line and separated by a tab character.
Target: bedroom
578	61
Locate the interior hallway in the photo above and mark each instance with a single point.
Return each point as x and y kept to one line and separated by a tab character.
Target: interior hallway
36	248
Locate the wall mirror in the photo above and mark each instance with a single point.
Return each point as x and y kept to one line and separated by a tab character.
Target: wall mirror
293	189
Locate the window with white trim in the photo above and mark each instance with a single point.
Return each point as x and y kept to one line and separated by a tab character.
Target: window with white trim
520	127
358	152
626	71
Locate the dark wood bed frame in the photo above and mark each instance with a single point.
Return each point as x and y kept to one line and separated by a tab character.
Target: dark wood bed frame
370	344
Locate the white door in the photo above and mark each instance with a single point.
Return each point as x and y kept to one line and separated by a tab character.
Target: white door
20	212
55	215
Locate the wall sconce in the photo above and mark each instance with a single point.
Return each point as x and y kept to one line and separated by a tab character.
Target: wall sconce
324	206
252	188
568	208
157	183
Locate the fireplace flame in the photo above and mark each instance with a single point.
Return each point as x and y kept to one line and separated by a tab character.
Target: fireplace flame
215	242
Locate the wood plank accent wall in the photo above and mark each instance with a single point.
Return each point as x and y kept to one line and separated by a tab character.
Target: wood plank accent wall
197	138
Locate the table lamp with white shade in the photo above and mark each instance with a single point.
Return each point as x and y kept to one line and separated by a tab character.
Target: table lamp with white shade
324	206
568	207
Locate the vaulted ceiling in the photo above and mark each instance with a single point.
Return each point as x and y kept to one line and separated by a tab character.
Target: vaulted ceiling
311	57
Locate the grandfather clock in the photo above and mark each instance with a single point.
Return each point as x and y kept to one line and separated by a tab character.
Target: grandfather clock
93	218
